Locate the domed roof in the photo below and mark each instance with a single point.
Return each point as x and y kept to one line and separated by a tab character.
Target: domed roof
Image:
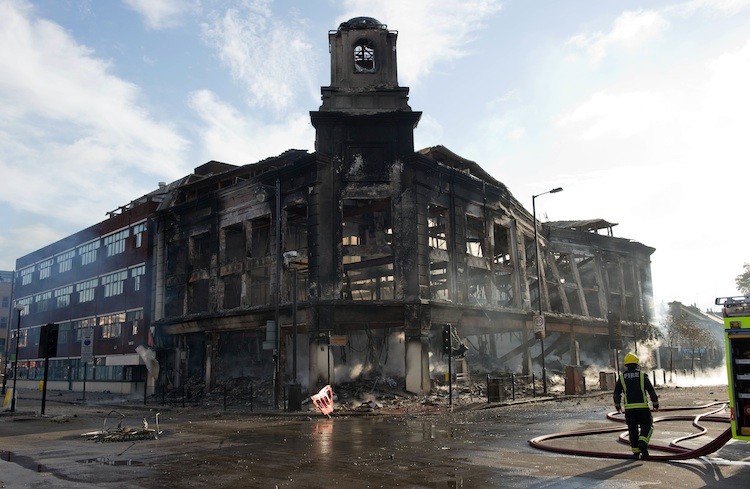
361	23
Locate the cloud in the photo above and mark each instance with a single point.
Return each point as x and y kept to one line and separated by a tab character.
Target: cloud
727	7
433	32
161	14
271	58
73	136
229	136
33	236
629	31
617	114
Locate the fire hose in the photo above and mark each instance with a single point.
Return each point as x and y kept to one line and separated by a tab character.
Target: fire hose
674	450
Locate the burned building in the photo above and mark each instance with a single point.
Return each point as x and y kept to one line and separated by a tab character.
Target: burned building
324	266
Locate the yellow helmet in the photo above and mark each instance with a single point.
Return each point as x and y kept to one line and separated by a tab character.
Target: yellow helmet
630	358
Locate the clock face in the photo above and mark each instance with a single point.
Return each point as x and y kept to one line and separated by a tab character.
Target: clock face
364	57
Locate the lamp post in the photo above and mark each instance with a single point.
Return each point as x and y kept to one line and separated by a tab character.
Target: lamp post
7	337
262	196
19	309
539	281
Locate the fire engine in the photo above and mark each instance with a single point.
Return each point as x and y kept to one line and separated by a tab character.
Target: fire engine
736	312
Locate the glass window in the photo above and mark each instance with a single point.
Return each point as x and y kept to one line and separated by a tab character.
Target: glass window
115	243
135	318
87	252
45	268
87	290
26	275
41	301
112	325
26	302
81	325
136	273
138	231
62	296
114	282
6	302
65	261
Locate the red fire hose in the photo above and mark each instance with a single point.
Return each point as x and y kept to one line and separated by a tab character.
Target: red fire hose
675	452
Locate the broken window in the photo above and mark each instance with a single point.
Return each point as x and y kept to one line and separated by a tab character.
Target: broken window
198	292
233	238
176	257
439	281
200	251
436	225
367	234
260	237
174	300
369	284
232	291
364	56
474	236
477	286
260	280
295	237
437	240
503	265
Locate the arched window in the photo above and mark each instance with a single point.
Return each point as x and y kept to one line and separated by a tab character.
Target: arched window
364	56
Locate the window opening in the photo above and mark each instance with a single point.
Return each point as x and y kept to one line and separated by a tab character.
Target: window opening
115	243
87	290
114	283
364	56
87	252
45	269
65	261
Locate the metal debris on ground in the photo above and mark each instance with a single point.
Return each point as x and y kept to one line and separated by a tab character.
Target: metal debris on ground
121	433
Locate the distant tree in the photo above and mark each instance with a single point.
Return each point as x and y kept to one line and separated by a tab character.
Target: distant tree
743	280
681	331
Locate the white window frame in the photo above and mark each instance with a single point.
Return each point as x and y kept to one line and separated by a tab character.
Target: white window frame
114	283
87	252
115	242
65	261
87	290
45	268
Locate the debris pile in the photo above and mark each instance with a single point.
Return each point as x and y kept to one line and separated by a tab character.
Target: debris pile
121	433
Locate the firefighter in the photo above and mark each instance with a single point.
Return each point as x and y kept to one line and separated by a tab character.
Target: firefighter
634	385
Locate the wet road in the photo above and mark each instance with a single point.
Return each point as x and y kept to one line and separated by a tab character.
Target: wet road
468	449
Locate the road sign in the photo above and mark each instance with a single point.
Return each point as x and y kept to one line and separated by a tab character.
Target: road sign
87	345
539	330
337	340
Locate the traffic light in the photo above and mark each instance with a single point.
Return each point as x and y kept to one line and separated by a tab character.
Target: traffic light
615	331
446	339
48	340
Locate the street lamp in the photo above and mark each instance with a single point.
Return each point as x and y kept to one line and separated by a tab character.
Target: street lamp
277	289
539	281
19	308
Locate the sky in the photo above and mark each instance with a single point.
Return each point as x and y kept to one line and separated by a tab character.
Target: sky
639	109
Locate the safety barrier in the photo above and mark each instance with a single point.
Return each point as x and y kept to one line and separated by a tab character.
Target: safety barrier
323	400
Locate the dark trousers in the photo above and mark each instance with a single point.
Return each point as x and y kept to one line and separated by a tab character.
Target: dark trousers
640	426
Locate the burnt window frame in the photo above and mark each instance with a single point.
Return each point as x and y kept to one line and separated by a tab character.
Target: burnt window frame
361	50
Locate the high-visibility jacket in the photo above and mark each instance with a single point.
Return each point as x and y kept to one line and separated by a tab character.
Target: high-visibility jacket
633	385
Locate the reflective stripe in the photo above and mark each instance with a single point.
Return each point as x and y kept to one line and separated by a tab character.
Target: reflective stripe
634	405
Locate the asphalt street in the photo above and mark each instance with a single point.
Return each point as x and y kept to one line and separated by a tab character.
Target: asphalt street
474	446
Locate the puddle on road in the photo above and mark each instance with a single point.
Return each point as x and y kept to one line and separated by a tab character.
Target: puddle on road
109	461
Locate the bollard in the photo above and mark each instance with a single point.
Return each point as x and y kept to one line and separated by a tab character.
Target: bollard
664	375
513	386
654	375
533	384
